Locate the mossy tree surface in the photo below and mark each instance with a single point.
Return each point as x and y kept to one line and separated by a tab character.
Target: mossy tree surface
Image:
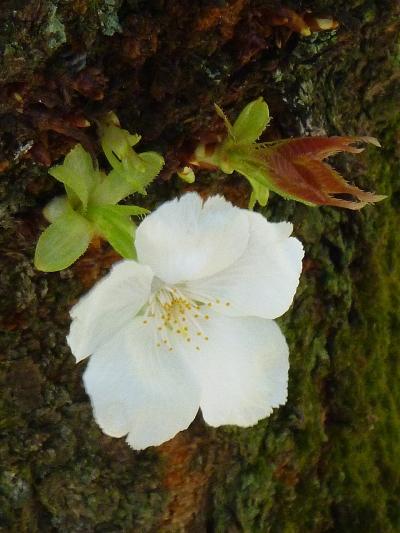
328	460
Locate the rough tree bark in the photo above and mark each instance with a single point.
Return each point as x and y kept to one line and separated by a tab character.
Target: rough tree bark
329	459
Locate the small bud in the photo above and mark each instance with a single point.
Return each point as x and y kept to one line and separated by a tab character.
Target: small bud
187	174
55	208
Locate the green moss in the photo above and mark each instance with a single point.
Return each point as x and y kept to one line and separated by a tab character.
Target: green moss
54	32
107	11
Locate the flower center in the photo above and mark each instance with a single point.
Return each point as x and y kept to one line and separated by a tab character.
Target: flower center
176	315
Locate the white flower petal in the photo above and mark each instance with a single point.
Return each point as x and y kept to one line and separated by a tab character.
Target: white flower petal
108	306
185	240
243	370
263	281
139	389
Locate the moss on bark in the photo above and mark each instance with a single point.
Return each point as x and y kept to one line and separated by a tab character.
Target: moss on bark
328	460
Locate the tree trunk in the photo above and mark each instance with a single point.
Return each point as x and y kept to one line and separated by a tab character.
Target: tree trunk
329	459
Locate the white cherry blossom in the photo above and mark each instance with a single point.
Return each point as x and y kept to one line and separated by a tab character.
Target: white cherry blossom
190	324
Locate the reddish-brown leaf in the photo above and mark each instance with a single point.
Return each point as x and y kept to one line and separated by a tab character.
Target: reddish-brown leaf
296	169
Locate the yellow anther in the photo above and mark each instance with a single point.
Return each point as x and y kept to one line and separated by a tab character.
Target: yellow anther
206	317
197	347
206	338
218	301
227	304
145	321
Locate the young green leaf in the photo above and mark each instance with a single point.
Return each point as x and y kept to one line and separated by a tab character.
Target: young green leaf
117	144
259	194
124	210
137	169
222	115
251	122
124	161
153	163
63	242
112	189
249	167
116	227
77	174
257	177
140	179
72	197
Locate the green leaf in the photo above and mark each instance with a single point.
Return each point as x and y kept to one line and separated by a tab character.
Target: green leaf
72	197
222	115
125	210
116	227
117	146
112	189
244	163
137	169
63	242
77	174
140	179
259	194
117	138
153	163
255	172
251	122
